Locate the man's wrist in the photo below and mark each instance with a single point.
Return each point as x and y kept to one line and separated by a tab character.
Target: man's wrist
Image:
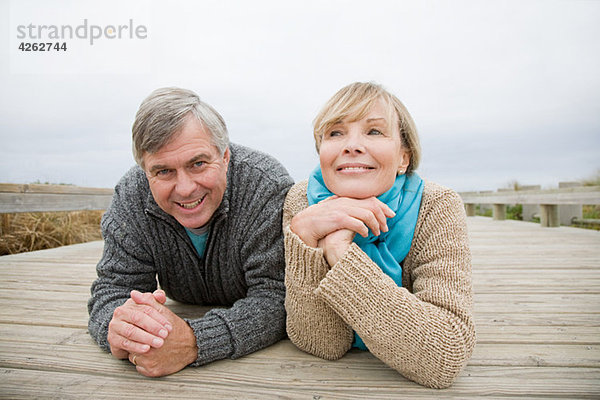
193	346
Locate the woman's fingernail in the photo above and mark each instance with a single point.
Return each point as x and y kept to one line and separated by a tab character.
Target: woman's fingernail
163	333
157	342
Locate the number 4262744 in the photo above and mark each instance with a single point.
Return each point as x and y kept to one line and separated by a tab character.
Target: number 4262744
49	46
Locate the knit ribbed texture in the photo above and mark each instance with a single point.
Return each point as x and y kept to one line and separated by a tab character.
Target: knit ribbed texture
424	329
243	266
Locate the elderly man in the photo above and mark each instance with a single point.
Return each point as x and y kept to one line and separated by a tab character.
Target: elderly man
202	216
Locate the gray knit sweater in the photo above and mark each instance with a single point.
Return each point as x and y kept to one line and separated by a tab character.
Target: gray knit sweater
243	265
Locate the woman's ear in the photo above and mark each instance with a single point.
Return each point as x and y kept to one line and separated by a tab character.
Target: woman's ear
404	161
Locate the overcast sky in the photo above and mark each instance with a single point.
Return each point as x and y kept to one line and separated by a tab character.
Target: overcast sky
499	90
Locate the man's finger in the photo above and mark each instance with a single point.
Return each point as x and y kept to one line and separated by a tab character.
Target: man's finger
155	309
128	337
142	316
160	296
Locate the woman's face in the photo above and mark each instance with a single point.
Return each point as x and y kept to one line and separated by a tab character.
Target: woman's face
361	159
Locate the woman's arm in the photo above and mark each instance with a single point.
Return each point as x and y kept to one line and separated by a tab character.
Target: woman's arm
311	324
428	335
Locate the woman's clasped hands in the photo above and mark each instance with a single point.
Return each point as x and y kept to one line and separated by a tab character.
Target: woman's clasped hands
332	223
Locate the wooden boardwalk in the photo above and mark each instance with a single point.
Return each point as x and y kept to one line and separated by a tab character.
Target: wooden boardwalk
537	309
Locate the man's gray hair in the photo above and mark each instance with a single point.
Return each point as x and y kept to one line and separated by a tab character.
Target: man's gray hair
163	113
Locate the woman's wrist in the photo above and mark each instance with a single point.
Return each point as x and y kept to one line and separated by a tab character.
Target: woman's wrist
299	229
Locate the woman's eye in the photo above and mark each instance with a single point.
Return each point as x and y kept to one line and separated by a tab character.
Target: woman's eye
335	133
375	132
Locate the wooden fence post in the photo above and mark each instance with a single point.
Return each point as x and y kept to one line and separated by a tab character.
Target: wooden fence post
549	215
470	209
499	212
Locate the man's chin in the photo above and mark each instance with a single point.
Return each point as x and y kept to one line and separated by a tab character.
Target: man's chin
191	222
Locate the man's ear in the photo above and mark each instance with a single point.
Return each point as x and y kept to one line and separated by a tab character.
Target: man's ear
226	157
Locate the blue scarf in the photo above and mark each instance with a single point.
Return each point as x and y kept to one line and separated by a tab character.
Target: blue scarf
389	248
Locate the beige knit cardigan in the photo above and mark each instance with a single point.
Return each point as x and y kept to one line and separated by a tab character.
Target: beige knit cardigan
424	329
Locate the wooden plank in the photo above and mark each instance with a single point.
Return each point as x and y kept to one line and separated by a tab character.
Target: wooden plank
535	319
55	189
16	198
67	314
489	334
541	355
575	195
283	364
491	382
29	202
539	303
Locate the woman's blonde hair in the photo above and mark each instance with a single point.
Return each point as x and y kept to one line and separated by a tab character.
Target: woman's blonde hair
354	102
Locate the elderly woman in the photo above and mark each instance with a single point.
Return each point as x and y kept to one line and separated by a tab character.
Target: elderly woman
376	258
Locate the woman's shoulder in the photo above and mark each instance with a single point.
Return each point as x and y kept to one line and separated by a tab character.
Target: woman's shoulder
296	199
440	200
433	192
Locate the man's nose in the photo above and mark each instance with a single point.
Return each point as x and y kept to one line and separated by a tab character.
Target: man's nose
185	185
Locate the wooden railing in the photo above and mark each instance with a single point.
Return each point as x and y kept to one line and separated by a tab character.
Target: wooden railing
552	205
16	198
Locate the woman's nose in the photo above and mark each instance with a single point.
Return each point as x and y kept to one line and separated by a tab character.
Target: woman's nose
354	144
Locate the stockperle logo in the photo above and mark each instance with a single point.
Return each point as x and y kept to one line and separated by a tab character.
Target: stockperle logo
85	31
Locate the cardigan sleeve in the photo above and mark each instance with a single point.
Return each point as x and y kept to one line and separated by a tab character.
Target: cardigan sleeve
125	265
311	324
427	335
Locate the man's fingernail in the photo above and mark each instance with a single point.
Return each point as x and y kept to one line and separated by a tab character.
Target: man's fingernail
163	333
157	342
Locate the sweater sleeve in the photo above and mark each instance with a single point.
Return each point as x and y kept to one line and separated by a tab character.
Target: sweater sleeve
427	335
311	324
124	266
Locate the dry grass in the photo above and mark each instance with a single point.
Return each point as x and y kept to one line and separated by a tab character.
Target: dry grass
23	232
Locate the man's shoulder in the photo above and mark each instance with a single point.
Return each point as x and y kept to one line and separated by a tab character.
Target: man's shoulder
133	181
247	163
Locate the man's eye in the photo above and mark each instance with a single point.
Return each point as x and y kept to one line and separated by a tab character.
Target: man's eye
198	164
162	172
375	132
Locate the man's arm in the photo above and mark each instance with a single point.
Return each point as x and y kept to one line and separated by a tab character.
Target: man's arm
124	267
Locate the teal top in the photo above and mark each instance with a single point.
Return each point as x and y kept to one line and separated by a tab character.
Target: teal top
389	249
199	237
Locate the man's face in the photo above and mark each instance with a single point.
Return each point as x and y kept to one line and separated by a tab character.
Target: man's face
188	176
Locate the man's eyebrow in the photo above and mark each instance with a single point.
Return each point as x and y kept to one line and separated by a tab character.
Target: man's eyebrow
199	157
157	167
